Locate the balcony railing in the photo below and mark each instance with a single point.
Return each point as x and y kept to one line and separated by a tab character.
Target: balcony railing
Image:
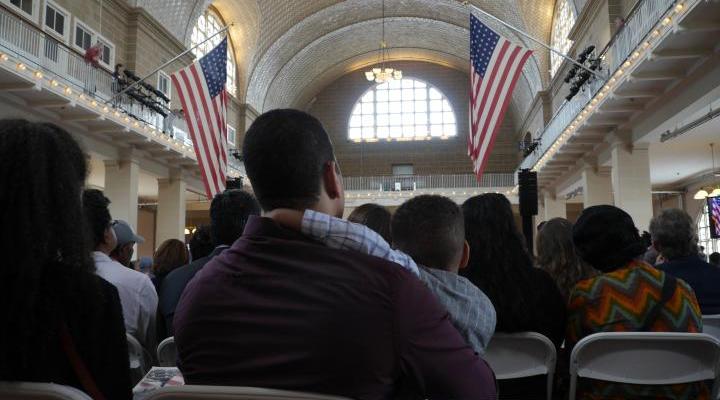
43	52
421	182
644	17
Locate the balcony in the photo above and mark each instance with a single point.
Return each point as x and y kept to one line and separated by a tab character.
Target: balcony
393	190
660	42
43	75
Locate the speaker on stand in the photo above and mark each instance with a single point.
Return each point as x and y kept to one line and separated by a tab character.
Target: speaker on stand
528	194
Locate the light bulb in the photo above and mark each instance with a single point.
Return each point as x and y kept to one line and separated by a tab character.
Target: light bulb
369	76
701	194
715	193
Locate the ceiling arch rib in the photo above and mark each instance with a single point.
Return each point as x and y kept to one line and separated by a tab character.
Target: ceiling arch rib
312	68
332	22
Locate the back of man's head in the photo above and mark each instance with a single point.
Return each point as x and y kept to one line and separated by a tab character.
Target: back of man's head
97	216
431	230
673	234
714	258
285	154
229	212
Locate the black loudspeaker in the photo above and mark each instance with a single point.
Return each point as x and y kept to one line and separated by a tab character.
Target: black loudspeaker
527	181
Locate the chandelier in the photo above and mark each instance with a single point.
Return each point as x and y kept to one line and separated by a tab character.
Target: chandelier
713	191
381	73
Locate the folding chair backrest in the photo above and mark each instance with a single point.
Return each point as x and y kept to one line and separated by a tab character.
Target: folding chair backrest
518	355
167	352
194	392
136	354
646	358
39	391
711	325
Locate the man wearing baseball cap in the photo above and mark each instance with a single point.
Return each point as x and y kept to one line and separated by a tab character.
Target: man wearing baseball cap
126	239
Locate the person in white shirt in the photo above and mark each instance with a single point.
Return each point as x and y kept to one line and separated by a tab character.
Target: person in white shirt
137	293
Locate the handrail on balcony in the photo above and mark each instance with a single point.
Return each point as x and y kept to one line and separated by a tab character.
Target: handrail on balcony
55	58
641	20
420	182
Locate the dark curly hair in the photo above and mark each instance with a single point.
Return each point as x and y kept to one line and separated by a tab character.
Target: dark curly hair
97	215
46	276
500	264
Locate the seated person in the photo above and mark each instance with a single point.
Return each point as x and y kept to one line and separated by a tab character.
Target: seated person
628	296
137	293
229	212
432	231
280	310
673	235
53	304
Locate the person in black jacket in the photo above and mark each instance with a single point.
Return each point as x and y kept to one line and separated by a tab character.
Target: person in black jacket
229	212
525	297
57	315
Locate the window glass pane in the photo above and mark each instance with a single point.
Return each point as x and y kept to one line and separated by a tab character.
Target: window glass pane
368	132
421	118
382	86
78	36
354	133
106	55
420	94
408	106
50	17
368	120
407	94
395	132
421	130
394	84
421	106
382	95
382	108
383	132
449	130
448	118
446	105
356	109
395	119
395	95
435	105
395	107
435	94
436	130
383	120
368	108
436	118
407	83
408	131
60	23
408	119
419	84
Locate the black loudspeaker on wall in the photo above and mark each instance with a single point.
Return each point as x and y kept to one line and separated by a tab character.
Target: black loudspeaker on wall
527	180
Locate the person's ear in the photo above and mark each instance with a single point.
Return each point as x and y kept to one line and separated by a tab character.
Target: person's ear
332	180
465	255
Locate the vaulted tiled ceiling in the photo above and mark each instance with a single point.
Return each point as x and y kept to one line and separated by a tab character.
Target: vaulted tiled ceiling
288	50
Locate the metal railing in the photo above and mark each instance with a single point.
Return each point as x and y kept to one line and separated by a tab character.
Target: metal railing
421	182
54	58
636	28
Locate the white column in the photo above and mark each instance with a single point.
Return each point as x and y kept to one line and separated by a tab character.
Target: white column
170	221
631	182
554	206
597	187
121	187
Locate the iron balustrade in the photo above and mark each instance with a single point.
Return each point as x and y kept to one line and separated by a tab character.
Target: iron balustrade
421	182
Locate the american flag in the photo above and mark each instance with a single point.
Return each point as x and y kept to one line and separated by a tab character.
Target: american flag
495	66
201	87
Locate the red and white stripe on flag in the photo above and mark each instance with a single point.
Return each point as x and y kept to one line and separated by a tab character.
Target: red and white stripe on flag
201	88
495	66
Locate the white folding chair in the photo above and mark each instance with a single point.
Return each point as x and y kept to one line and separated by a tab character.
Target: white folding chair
519	355
39	391
167	352
711	325
138	362
193	392
646	358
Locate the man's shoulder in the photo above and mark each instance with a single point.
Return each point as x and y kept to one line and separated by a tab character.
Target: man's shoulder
186	271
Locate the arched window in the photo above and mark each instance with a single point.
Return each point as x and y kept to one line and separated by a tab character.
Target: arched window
406	109
711	245
208	24
563	22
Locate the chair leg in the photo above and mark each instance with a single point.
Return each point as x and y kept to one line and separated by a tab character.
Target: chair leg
549	385
573	385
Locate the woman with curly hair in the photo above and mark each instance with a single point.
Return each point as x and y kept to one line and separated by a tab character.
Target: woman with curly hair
557	255
62	323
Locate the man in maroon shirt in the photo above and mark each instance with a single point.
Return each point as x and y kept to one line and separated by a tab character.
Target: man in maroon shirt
279	310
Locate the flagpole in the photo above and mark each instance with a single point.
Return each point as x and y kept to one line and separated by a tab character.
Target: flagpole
529	36
168	63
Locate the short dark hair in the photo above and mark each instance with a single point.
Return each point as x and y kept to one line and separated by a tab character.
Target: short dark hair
375	217
674	232
285	152
229	212
430	229
201	244
714	258
97	215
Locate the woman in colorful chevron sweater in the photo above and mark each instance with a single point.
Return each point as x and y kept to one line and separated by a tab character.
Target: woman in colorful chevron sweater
625	297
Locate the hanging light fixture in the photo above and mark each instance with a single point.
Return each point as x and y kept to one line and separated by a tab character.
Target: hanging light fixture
702	194
381	73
